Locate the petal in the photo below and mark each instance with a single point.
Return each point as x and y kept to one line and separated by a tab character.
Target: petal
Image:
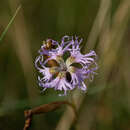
83	86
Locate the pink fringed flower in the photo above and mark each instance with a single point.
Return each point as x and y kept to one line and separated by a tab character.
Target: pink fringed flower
63	67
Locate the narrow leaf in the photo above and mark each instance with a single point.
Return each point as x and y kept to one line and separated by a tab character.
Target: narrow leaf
9	24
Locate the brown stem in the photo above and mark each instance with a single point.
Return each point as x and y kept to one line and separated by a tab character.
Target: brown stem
44	109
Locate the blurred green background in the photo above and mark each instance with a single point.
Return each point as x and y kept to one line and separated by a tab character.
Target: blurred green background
105	27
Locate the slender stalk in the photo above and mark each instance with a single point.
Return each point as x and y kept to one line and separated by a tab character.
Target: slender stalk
45	109
9	24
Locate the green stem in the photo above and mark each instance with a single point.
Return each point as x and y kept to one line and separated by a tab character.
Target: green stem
11	21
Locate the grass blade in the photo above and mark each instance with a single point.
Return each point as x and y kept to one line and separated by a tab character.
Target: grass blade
9	24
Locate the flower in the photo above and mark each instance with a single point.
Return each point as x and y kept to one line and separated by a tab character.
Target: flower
63	67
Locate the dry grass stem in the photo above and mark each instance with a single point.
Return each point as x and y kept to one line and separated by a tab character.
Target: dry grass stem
45	109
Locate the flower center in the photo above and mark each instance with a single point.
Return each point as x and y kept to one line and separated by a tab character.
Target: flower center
63	67
62	64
